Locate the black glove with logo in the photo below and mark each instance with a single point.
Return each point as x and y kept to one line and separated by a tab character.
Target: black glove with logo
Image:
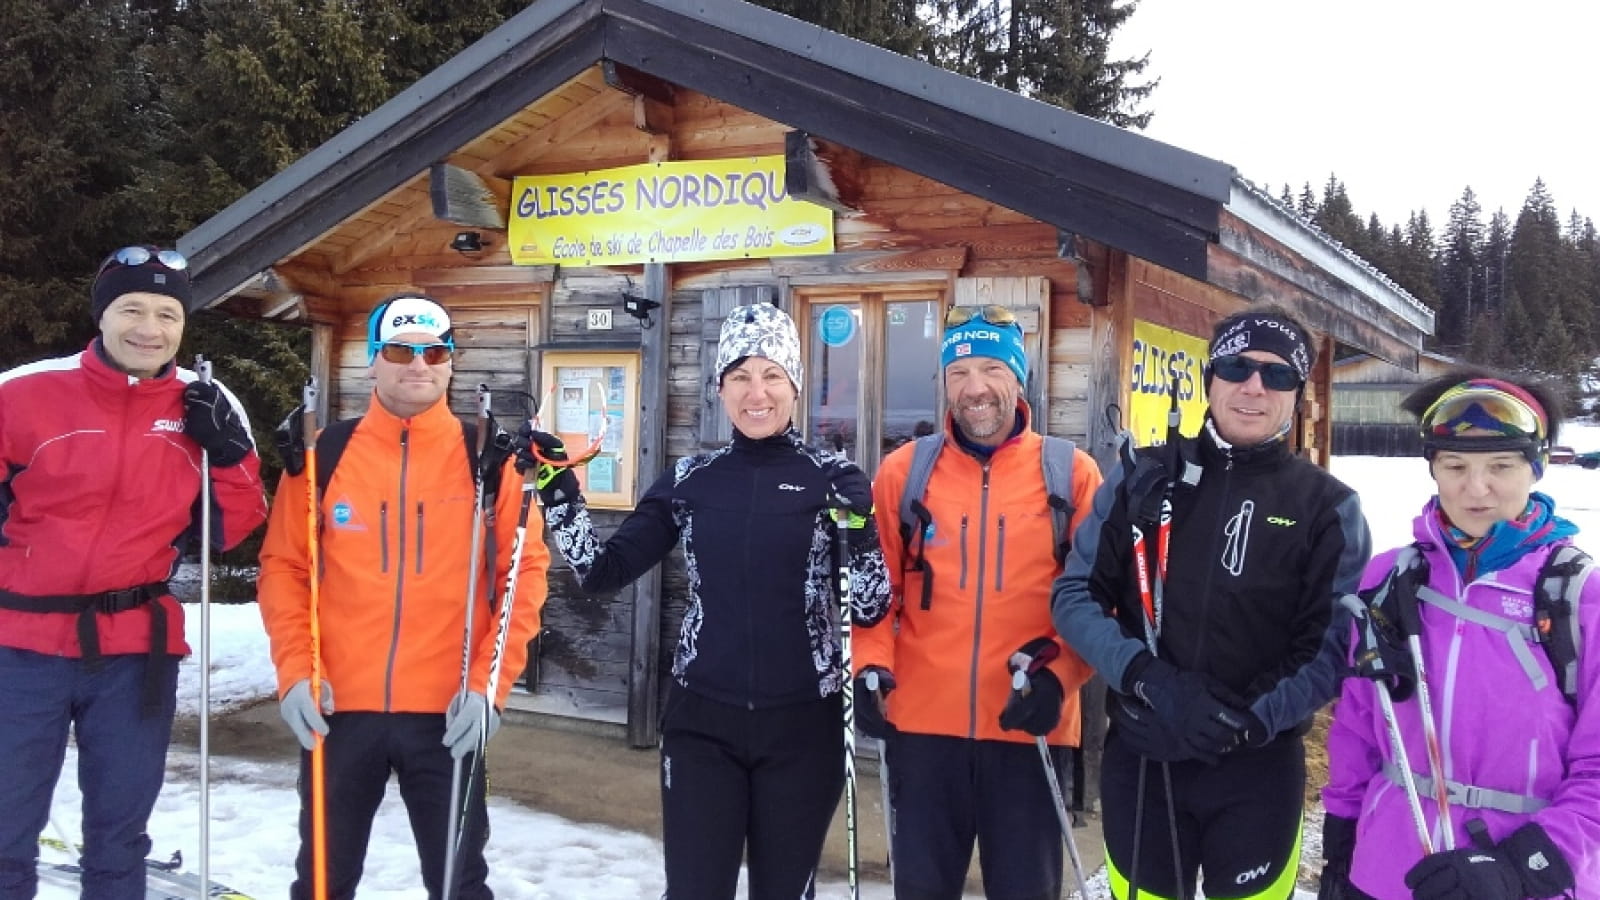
556	483
1036	693
851	494
1338	848
872	689
1139	729
1465	873
212	422
290	441
1186	705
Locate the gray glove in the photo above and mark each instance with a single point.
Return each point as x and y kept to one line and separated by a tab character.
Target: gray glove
464	720
302	715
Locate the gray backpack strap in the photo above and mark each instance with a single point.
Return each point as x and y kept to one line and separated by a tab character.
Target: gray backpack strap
1556	596
924	453
1056	455
1519	637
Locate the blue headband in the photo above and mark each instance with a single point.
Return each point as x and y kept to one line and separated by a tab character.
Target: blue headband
976	337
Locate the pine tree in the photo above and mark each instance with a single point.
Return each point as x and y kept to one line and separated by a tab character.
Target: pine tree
1308	203
1287	197
890	24
1460	282
1057	51
1496	250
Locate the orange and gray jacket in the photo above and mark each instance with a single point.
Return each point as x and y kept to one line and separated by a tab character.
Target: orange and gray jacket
990	553
396	537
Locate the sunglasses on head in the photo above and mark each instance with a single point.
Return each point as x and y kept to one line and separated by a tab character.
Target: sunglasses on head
957	316
138	256
402	353
1238	369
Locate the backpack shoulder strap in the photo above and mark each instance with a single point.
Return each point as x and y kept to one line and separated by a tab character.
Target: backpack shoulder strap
914	515
1556	594
1056	455
330	446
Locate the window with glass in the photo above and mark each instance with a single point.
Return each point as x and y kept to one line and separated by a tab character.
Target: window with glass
872	370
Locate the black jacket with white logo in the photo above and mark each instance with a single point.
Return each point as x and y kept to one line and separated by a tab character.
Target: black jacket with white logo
1262	546
761	628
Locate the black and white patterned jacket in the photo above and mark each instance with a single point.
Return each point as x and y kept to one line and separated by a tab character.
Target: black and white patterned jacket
761	628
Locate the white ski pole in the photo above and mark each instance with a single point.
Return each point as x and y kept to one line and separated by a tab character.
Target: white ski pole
852	848
1022	664
1396	741
202	369
883	772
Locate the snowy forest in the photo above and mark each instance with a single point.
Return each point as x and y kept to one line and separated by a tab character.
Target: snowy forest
134	120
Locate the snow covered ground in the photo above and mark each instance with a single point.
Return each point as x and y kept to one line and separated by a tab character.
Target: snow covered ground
536	856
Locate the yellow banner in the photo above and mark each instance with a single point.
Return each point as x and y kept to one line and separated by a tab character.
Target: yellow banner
1159	355
664	212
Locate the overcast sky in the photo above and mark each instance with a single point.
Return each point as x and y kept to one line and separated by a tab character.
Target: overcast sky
1407	101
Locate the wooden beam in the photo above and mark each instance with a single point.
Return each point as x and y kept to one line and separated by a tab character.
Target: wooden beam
635	83
377	240
654	377
870	262
652	117
524	153
483	275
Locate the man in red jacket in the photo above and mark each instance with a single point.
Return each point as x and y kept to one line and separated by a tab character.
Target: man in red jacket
98	494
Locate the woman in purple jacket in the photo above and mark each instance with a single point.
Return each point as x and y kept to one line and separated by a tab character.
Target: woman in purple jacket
1521	760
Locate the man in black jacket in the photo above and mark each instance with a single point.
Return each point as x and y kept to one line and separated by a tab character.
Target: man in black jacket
1217	655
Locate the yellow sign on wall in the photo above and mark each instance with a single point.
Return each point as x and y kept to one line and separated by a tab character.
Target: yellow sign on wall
664	212
1159	356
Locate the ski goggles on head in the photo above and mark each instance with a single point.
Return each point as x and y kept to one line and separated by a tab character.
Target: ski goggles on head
1238	369
1484	415
401	353
956	316
138	256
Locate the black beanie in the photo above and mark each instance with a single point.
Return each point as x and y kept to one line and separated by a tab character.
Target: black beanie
152	276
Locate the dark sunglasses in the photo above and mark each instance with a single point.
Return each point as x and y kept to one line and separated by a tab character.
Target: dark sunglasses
401	353
957	316
138	256
1238	369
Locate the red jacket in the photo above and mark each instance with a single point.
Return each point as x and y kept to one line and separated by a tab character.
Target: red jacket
396	539
993	564
99	485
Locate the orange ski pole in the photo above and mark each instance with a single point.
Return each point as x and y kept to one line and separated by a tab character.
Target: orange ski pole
319	791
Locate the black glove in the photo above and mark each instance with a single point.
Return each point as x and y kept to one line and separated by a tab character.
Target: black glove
870	720
1338	848
1035	706
1466	873
211	421
1139	730
1538	862
1381	651
290	439
556	483
1185	704
851	495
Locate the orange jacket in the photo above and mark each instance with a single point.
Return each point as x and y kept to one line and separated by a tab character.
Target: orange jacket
993	566
396	537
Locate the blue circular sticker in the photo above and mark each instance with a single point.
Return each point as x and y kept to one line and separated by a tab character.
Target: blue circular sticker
341	513
837	326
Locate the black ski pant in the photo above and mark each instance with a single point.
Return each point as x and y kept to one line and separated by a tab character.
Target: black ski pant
736	781
949	793
361	750
1237	822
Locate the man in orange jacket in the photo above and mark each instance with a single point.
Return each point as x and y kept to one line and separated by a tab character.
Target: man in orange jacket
960	741
396	536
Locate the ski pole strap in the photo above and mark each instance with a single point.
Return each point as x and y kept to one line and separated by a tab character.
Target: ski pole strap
1468	796
1519	637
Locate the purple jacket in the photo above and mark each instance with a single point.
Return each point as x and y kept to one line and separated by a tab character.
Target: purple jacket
1495	730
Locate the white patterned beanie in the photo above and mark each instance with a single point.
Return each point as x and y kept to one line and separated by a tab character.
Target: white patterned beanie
763	330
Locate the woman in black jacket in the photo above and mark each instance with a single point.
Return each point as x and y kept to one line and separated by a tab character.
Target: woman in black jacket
752	729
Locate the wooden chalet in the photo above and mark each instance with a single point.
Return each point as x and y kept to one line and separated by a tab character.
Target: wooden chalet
918	189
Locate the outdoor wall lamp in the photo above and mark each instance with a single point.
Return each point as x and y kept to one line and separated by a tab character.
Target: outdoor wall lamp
639	308
467	242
